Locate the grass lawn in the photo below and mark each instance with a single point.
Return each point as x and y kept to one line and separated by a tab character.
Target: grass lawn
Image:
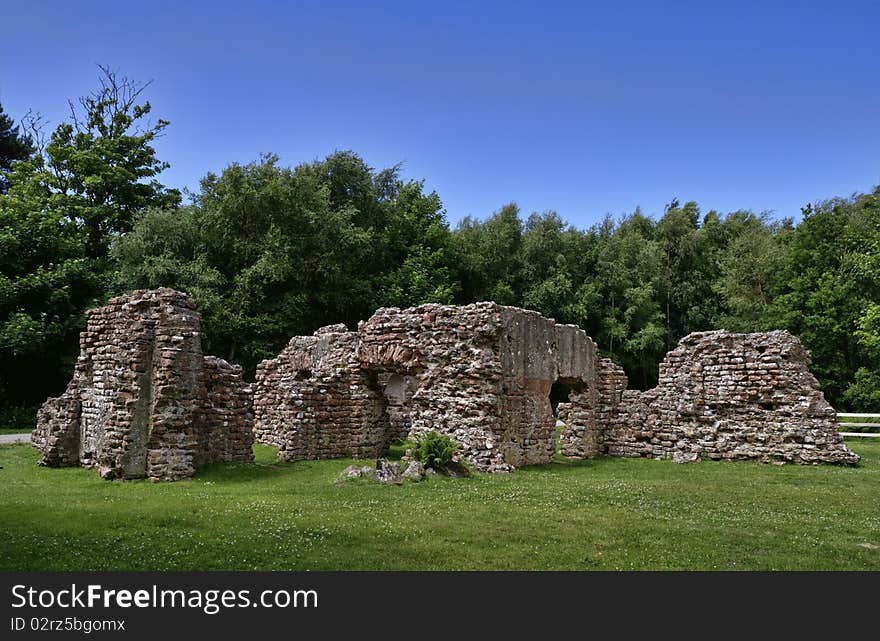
13	430
610	513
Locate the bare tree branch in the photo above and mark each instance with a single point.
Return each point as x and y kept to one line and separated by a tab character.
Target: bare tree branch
116	97
34	128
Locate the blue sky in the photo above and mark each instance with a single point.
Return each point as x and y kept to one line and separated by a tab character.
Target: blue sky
582	108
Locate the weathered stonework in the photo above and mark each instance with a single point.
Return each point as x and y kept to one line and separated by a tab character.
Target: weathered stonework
144	401
314	401
589	410
481	373
729	396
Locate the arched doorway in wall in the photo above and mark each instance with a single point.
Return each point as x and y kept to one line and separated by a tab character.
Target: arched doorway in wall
392	422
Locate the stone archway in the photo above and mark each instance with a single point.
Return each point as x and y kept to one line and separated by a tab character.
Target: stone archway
391	420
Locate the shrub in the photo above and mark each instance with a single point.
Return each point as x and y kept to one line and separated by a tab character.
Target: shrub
433	449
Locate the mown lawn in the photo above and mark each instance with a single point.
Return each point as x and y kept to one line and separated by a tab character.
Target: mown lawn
616	514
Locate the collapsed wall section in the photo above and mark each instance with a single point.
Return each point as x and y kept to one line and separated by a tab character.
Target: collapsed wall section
227	425
484	374
730	396
314	401
144	401
591	409
580	370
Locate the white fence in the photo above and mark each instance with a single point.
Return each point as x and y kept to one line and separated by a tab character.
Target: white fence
865	434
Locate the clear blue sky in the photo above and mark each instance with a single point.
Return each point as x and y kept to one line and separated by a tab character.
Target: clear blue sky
578	107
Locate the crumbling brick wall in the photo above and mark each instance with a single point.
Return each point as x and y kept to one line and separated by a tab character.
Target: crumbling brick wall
729	396
589	410
452	354
314	401
144	401
481	373
227	424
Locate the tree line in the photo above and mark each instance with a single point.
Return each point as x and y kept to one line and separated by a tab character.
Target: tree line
269	251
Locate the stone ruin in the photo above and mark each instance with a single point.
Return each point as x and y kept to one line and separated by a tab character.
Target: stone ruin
481	373
144	401
484	374
728	396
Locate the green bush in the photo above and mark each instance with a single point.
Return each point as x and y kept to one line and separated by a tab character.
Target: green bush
433	449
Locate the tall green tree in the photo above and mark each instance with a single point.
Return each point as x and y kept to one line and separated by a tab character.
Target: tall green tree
821	297
420	249
679	283
750	270
862	244
63	208
703	309
13	146
269	252
490	261
548	281
633	326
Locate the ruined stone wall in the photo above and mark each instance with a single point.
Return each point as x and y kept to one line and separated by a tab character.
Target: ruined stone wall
590	410
57	434
730	396
314	401
145	401
228	414
452	353
481	373
138	403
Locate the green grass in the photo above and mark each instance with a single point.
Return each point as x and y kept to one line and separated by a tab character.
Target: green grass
13	430
610	513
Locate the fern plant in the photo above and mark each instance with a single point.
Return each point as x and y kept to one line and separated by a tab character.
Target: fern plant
433	449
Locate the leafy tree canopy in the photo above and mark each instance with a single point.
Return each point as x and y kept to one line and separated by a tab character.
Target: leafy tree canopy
269	252
65	204
13	146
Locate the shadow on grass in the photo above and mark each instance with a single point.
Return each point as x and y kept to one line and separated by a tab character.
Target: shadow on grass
242	472
266	465
560	465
